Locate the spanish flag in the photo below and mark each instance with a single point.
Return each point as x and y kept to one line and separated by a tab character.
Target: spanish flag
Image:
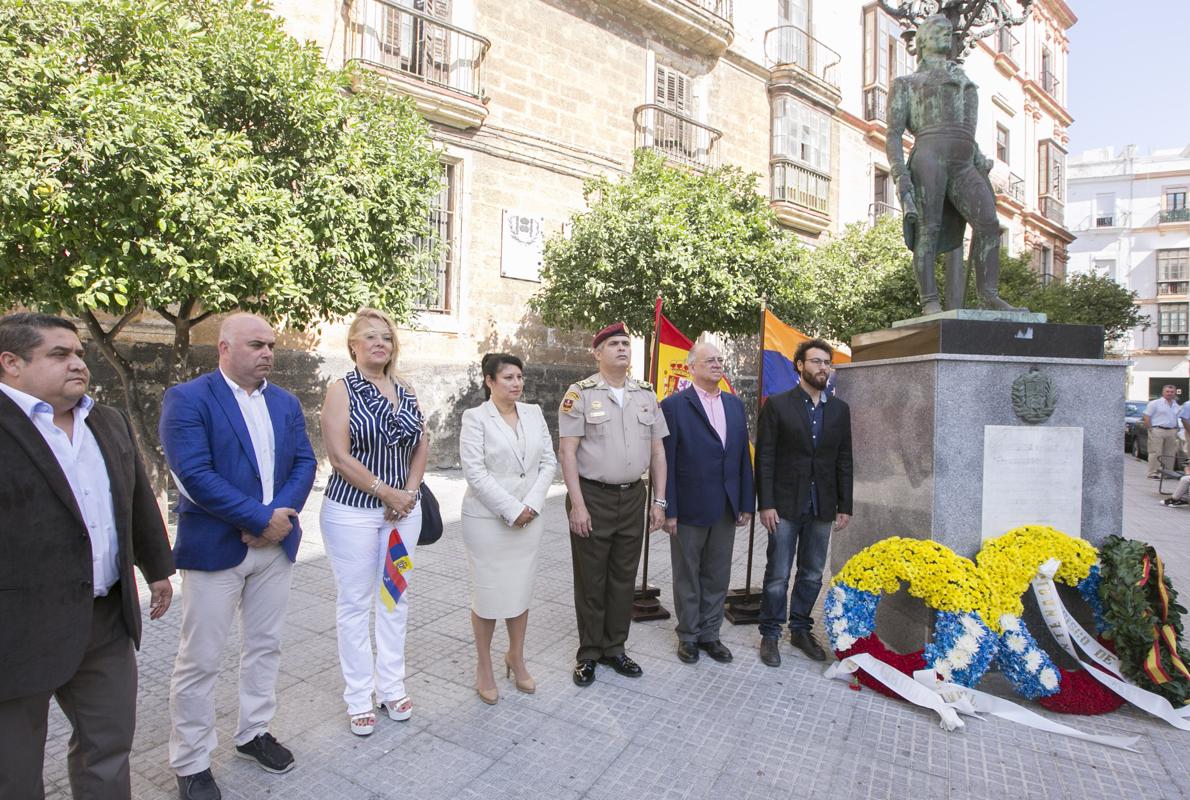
778	343
670	371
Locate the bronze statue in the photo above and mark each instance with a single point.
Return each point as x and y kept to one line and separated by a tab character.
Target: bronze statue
945	185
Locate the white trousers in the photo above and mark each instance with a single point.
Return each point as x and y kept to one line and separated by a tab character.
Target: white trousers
356	541
259	589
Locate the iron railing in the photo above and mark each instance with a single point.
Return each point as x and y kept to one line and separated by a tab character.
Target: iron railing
1053	209
881	209
1049	82
1105	220
790	46
876	104
391	37
720	8
1007	44
1174	215
679	138
794	182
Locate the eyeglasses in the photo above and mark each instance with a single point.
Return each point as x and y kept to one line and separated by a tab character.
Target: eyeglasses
818	362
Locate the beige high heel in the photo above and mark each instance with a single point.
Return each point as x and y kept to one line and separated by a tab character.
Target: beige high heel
489	696
528	686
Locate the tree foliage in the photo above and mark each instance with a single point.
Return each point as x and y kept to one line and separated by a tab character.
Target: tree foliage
863	280
708	242
188	157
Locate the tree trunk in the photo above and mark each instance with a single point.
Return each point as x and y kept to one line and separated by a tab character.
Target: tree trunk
183	323
135	405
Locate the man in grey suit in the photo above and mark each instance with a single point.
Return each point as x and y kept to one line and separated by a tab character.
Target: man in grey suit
78	512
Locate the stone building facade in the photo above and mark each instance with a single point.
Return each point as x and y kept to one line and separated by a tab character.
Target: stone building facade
1129	209
527	98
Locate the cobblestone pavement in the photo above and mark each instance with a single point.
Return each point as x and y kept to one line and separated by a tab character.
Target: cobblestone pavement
709	730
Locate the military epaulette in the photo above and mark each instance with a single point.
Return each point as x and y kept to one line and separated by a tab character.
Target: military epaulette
648	387
587	383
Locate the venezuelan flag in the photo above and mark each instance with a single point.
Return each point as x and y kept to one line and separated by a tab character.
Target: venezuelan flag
397	563
778	344
670	371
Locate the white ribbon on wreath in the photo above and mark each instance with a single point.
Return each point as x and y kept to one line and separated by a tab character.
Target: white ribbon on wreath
1068	632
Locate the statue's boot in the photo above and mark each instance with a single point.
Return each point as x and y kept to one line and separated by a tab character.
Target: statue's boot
993	301
931	307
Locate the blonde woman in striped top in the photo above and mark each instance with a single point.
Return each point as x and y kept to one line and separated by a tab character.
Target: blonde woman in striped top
373	430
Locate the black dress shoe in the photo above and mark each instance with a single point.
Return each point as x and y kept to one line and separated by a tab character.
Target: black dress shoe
623	665
716	650
770	654
584	673
804	641
199	786
687	652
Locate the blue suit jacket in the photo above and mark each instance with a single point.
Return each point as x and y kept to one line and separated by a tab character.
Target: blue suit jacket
208	448
703	473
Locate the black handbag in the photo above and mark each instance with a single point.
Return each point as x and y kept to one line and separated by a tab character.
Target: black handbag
431	517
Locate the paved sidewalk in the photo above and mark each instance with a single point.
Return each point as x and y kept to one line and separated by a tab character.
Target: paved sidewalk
708	730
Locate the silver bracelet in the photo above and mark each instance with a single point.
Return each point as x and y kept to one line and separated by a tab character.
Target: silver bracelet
374	489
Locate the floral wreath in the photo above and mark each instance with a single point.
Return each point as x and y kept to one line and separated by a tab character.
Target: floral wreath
1144	618
978	610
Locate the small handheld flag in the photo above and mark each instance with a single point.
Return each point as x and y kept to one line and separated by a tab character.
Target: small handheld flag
396	564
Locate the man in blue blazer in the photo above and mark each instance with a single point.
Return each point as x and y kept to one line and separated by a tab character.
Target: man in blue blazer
708	494
239	454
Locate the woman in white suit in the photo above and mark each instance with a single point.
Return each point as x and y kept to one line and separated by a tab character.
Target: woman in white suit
508	460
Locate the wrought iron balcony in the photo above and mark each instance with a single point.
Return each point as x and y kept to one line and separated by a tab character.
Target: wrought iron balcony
794	182
720	8
1174	215
1012	186
876	104
786	46
679	138
881	209
1052	209
1049	82
1007	44
397	40
1105	221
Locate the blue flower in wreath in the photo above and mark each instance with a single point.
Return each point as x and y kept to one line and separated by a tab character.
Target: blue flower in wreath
962	648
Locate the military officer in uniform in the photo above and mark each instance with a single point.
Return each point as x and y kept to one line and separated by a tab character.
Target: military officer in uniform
610	430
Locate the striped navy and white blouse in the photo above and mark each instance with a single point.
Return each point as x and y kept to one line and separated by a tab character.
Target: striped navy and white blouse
382	438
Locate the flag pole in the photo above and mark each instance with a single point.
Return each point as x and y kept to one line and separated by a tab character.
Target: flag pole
645	602
743	605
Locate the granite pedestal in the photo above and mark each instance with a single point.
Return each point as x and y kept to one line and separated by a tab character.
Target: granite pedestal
920	426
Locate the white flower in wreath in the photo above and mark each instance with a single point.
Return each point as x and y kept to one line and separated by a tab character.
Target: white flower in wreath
1016	642
966	644
844	642
1010	622
943	669
840	626
840	595
959	659
1049	679
972	627
1033	660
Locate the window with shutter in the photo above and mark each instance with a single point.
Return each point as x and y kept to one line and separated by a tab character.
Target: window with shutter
673	135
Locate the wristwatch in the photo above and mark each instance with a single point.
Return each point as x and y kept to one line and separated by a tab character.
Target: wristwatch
660	502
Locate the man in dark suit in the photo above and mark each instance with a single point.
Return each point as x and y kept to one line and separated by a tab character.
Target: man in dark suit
77	512
708	493
803	486
239	453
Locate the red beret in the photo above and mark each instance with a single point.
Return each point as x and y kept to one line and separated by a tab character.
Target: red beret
615	329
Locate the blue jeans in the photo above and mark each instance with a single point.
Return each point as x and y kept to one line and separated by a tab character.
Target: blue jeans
808	538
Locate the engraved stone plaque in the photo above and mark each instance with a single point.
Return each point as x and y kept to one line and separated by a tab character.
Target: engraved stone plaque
1032	476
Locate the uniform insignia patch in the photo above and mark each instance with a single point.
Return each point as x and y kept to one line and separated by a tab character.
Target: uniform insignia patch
568	401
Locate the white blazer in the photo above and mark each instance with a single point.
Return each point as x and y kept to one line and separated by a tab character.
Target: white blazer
499	482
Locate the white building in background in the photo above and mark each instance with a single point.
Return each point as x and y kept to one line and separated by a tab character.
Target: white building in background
1130	213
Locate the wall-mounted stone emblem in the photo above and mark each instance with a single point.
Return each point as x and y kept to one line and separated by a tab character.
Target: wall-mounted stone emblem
1034	396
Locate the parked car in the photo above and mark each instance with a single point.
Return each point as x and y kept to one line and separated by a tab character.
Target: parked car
1140	447
1134	410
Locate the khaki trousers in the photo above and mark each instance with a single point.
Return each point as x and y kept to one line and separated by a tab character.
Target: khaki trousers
258	587
605	568
1163	449
100	702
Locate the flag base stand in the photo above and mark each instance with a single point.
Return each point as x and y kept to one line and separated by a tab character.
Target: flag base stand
646	604
742	606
